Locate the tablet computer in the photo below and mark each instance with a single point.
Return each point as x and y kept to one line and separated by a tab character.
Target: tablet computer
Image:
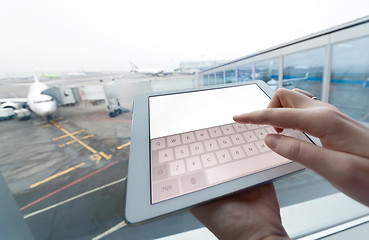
186	149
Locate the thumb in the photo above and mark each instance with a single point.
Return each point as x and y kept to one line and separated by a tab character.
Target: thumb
321	160
347	172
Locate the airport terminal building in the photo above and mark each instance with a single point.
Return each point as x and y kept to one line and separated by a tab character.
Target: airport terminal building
332	64
82	156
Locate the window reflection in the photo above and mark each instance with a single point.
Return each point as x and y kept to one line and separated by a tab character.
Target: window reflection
268	71
244	73
349	89
304	70
230	76
219	78
205	80
211	79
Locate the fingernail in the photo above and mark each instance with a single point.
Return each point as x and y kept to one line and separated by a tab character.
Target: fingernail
236	117
272	140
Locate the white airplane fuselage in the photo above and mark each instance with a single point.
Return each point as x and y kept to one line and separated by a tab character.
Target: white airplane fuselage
155	71
152	71
39	103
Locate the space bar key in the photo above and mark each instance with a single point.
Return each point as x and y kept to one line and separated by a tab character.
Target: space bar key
244	167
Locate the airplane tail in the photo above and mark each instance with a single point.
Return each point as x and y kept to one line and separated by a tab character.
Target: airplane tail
35	78
134	67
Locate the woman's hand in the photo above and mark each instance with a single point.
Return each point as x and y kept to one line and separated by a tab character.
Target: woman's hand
343	158
251	214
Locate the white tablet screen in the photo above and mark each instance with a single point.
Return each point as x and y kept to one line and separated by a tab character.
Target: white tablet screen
195	143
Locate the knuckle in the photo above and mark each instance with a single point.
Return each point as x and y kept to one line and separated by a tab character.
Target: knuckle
293	148
280	91
331	115
328	112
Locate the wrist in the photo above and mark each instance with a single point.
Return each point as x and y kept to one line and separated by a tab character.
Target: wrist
277	237
275	234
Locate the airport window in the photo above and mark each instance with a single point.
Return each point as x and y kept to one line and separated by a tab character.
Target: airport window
304	70
219	78
211	79
205	79
244	73
349	87
268	71
230	76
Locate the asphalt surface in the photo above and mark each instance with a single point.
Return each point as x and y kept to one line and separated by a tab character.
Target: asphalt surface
47	163
68	174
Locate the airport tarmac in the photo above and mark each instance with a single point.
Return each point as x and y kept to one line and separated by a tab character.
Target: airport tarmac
68	174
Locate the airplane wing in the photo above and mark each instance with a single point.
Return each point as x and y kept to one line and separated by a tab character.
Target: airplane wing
15	100
157	73
14	103
297	79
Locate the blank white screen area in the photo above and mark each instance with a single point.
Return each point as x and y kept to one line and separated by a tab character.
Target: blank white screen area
184	112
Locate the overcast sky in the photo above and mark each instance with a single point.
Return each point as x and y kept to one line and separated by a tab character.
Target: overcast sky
72	35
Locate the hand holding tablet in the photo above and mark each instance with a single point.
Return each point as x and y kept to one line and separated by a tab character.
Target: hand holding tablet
186	148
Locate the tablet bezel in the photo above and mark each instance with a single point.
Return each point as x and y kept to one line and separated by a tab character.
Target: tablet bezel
138	207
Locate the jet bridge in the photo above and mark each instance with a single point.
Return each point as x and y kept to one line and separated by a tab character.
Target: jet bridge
64	95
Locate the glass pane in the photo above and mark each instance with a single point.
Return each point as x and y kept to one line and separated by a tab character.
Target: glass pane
268	71
304	70
211	79
205	78
230	76
349	89
219	78
244	73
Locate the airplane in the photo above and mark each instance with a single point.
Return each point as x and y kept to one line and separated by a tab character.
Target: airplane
286	82
153	72
40	103
50	76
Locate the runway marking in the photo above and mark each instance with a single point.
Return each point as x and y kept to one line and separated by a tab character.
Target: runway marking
62	121
107	157
124	145
57	119
64	136
96	157
57	175
74	198
82	138
39	123
67	186
73	137
111	230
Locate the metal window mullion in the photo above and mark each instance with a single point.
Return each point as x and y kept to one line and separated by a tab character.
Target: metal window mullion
280	72
236	73
327	72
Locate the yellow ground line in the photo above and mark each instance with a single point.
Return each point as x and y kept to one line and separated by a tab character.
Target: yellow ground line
64	136
70	135
39	123
57	175
57	119
124	145
85	137
63	121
